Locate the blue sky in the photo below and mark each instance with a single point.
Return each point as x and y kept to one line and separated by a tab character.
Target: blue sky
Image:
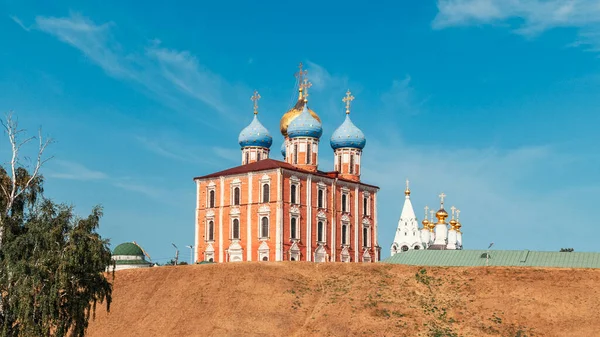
493	102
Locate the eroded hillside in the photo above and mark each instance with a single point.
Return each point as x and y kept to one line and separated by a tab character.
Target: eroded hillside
307	299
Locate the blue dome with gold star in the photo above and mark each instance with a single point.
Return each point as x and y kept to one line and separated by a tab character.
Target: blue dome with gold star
305	125
348	135
255	134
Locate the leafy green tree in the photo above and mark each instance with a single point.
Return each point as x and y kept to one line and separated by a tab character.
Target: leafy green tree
52	262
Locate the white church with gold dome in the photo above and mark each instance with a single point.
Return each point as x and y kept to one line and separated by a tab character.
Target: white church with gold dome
434	235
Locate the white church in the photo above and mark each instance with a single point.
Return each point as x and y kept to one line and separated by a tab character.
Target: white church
433	235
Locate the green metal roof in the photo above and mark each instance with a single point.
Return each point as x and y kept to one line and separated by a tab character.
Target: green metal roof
129	262
472	258
128	248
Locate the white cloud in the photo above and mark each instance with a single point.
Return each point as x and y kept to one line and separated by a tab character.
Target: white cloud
534	16
322	79
20	23
74	171
173	147
402	98
174	77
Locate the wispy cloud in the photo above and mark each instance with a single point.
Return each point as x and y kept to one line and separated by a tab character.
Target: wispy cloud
322	79
174	77
69	170
403	98
20	23
172	147
534	16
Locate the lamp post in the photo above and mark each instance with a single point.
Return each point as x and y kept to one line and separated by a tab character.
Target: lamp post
191	253
176	253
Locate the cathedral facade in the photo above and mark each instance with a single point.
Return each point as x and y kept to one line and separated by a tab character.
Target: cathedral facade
289	210
434	235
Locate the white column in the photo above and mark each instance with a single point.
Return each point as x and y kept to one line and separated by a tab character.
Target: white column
451	239
197	221
279	220
249	219
221	201
308	219
356	224
375	243
333	221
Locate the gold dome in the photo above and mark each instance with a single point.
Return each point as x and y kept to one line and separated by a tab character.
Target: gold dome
431	226
425	223
453	224
457	226
294	112
441	215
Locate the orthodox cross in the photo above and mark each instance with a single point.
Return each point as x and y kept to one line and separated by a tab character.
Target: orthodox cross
300	74
304	86
431	212
407	184
442	196
457	214
453	210
348	99
255	99
426	209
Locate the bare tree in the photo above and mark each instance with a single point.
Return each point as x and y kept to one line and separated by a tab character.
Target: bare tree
13	188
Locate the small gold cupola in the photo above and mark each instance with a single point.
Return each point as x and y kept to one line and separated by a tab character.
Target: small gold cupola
296	110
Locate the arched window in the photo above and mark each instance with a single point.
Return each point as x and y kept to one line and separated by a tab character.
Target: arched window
293	193
404	248
365	237
320	199
344	203
417	248
236	229
294	228
211	231
308	158
351	168
365	206
320	232
211	199
295	153
265	258
344	234
265	193
257	156
247	157
236	195
264	227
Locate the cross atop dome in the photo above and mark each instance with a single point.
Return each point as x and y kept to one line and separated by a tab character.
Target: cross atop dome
348	99
255	99
442	196
304	87
407	190
453	211
426	211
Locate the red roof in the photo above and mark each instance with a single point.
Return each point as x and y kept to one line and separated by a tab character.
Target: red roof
269	164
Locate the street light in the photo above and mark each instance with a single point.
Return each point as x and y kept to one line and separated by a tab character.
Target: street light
191	253
176	253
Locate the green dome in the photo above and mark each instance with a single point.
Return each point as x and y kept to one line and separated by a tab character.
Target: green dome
128	248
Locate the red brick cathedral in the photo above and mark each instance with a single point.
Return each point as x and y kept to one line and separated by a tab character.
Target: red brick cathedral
271	210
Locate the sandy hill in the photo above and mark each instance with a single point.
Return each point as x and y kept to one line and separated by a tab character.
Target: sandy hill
307	299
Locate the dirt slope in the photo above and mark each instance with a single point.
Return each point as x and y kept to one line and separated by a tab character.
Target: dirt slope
307	299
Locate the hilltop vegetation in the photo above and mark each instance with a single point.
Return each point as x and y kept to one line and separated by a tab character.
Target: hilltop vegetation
307	299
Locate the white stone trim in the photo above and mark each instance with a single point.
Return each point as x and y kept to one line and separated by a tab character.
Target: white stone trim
221	252
249	219
308	216
375	241
197	221
356	243
333	222
279	219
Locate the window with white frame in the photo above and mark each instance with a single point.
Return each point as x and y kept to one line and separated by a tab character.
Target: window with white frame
294	228
320	231
294	193
366	204
235	229
264	227
366	238
265	193
308	158
321	198
257	156
236	195
295	153
211	198
345	203
210	230
247	158
345	234
351	166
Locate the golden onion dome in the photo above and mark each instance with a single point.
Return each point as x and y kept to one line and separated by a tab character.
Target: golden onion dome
431	226
425	223
453	224
441	215
457	226
294	112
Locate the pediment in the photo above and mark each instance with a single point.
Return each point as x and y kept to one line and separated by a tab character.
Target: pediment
264	209
234	211
345	218
295	210
210	214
